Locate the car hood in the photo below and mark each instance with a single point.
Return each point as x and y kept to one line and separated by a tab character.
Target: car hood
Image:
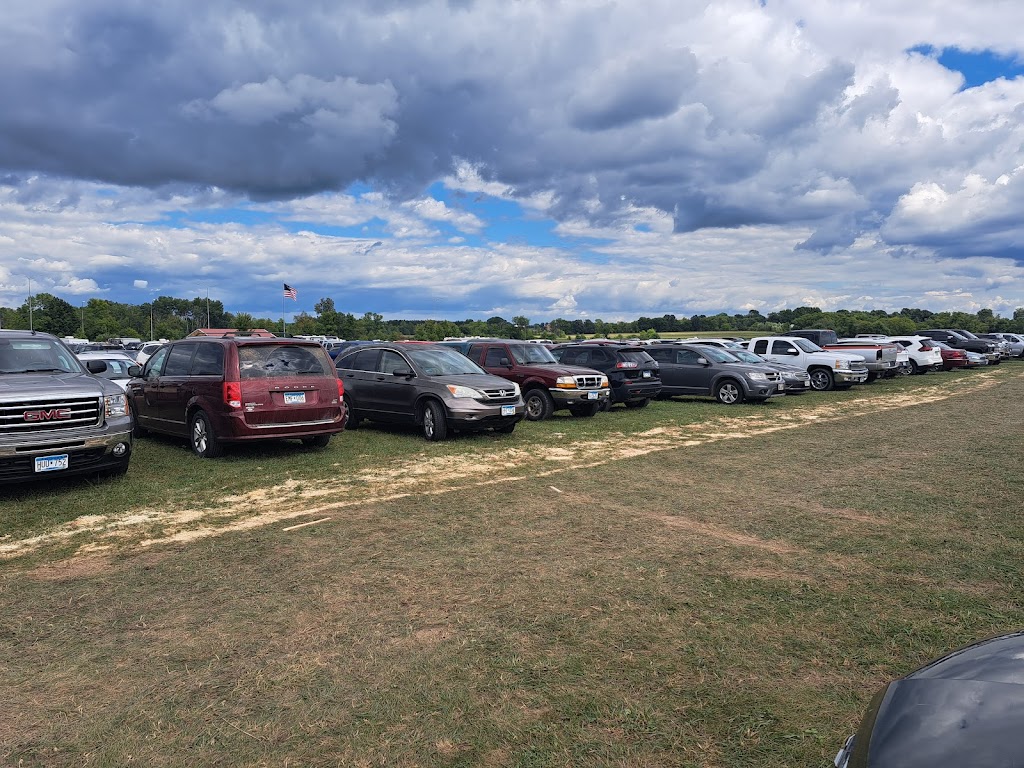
475	380
18	385
558	369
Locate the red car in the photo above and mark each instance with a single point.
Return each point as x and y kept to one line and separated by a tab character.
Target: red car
951	358
235	389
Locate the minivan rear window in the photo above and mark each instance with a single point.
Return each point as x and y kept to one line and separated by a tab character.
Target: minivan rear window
277	360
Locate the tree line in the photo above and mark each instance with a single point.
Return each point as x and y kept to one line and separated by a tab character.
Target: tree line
172	318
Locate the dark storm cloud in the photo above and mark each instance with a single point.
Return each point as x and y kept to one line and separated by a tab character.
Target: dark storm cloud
722	116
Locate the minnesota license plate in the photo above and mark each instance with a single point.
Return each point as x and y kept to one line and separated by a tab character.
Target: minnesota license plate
294	398
51	463
508	410
646	374
592	395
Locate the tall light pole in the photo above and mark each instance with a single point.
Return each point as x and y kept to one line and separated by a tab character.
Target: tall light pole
207	307
83	319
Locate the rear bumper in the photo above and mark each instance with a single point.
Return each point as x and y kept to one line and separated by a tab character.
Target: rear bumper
638	389
233	428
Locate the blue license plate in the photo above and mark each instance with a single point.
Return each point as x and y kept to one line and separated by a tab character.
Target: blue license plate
294	398
51	463
592	395
508	410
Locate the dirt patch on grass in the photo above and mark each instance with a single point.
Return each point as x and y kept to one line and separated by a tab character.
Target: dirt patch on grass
77	567
431	475
729	536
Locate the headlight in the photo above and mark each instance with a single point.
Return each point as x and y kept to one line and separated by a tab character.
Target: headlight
115	405
460	391
565	382
842	363
755	376
604	381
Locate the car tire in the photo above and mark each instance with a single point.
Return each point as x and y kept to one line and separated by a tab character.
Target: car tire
138	431
539	405
606	405
822	380
585	411
915	368
202	437
435	426
638	403
507	429
353	419
316	441
729	392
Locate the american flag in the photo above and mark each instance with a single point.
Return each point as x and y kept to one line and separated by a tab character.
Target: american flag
290	293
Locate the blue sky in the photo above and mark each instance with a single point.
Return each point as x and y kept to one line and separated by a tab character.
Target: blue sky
434	158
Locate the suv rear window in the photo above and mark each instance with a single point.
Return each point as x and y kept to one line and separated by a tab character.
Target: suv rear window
278	360
635	356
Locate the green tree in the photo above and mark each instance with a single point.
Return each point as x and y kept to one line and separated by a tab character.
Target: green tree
243	322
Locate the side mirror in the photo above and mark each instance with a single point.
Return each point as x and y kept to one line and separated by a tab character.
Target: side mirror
135	371
702	361
95	366
793	352
404	372
504	362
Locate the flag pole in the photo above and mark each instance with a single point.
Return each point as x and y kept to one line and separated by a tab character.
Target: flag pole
284	324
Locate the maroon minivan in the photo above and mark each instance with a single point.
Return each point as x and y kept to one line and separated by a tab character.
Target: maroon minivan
237	388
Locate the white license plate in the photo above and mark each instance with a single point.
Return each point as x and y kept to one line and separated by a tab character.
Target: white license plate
294	398
51	463
592	395
782	387
508	410
646	374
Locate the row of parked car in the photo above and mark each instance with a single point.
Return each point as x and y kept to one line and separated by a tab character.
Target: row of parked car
75	414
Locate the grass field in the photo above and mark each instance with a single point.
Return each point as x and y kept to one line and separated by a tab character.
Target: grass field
686	585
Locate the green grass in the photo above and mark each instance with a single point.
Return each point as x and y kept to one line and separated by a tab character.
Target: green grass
733	603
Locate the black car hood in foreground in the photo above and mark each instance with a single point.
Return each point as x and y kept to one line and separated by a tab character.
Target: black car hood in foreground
965	709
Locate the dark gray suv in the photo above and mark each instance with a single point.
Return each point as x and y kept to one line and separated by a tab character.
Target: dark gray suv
433	387
695	369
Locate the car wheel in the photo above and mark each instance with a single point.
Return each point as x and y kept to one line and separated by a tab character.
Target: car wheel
138	431
729	392
202	438
915	368
435	427
353	420
585	411
317	441
638	403
606	405
822	379
507	429
539	405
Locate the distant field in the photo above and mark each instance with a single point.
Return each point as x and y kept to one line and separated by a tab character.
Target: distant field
687	585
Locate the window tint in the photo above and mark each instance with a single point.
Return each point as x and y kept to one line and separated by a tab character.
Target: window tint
392	361
474	352
495	356
209	360
781	347
662	355
273	361
635	356
363	360
761	347
179	360
155	363
687	357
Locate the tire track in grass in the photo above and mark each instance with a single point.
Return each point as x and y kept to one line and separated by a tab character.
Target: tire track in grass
423	476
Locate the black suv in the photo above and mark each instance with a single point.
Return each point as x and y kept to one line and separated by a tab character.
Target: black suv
633	374
959	341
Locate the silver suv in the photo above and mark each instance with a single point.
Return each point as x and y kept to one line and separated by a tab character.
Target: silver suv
56	418
433	387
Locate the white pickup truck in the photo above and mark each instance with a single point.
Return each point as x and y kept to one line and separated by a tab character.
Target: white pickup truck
828	369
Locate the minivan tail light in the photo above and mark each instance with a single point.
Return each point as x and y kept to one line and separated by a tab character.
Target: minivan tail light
341	389
233	394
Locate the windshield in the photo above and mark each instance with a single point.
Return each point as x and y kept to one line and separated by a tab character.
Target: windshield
807	346
117	368
746	357
717	354
38	355
271	361
966	334
441	361
526	354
